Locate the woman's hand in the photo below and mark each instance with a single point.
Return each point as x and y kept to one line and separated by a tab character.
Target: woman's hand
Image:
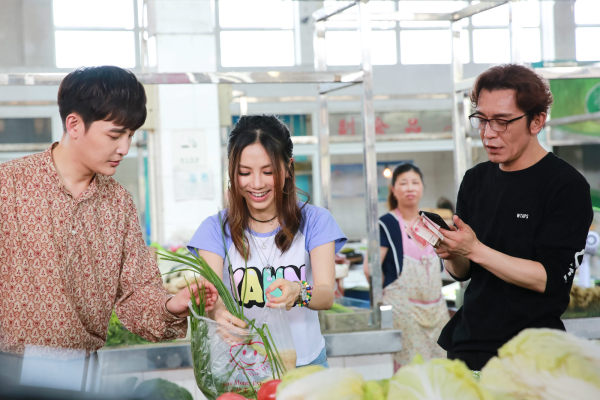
178	304
225	318
289	293
231	329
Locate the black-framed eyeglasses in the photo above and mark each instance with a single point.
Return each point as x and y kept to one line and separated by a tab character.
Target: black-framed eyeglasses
497	125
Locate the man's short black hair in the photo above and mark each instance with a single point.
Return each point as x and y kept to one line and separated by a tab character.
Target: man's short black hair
104	93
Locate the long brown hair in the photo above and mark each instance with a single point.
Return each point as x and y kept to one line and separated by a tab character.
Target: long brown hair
274	137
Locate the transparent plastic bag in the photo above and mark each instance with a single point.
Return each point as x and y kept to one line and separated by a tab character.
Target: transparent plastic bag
279	328
227	359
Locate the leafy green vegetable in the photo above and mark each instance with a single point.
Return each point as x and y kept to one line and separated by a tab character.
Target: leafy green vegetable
544	364
118	335
161	389
435	379
373	390
327	384
297	373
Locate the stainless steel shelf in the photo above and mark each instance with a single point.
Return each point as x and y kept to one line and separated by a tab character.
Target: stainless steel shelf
178	354
181	78
587	328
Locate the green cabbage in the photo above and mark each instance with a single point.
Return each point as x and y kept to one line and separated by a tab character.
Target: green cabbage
297	373
544	364
327	384
375	390
437	379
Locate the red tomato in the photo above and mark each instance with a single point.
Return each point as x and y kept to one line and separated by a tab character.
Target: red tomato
231	396
268	390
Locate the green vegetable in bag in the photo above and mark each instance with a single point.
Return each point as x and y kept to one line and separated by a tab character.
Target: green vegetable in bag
220	366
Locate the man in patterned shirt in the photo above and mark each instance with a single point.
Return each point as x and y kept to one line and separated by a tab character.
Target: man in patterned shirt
71	247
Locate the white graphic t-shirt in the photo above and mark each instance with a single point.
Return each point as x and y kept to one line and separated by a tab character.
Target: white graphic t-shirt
267	263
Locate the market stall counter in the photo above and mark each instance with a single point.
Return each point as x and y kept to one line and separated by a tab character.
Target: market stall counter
152	357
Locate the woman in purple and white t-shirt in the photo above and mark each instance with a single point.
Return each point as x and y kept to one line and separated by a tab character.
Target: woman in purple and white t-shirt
283	250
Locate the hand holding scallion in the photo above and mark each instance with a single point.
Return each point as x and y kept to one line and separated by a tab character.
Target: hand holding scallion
178	304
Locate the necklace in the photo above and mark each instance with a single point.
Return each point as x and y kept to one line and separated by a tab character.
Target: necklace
261	220
267	261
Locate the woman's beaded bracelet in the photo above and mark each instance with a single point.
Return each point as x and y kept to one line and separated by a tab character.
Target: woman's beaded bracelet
305	294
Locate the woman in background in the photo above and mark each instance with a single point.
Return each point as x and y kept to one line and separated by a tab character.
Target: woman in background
281	250
412	281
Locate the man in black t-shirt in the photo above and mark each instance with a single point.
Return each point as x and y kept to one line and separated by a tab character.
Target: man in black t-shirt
521	224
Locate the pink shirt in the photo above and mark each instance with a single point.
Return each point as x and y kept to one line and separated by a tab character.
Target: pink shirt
409	246
65	262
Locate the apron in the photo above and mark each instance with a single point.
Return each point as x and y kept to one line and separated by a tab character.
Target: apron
418	306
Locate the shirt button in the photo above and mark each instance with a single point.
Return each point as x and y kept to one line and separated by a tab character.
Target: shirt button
74	232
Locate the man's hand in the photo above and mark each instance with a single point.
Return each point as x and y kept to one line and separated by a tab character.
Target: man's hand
455	247
178	304
460	241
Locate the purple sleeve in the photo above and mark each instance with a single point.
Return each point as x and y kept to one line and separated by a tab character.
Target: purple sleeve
209	237
320	228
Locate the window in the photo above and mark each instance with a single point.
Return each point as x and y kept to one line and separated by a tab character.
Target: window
343	41
587	30
485	37
343	47
410	8
25	130
497	16
492	30
257	49
529	45
526	40
491	36
425	46
252	37
587	12
428	42
491	45
95	32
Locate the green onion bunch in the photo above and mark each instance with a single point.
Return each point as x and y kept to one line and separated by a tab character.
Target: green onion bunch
212	387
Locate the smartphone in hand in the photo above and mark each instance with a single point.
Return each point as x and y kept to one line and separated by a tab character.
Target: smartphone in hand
435	218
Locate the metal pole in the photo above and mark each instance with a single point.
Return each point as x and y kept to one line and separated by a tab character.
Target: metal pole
324	157
141	156
370	163
155	183
460	155
324	160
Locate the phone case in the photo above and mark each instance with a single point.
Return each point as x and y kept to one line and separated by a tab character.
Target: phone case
435	218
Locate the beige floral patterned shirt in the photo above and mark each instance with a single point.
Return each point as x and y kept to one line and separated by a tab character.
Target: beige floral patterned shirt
65	262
